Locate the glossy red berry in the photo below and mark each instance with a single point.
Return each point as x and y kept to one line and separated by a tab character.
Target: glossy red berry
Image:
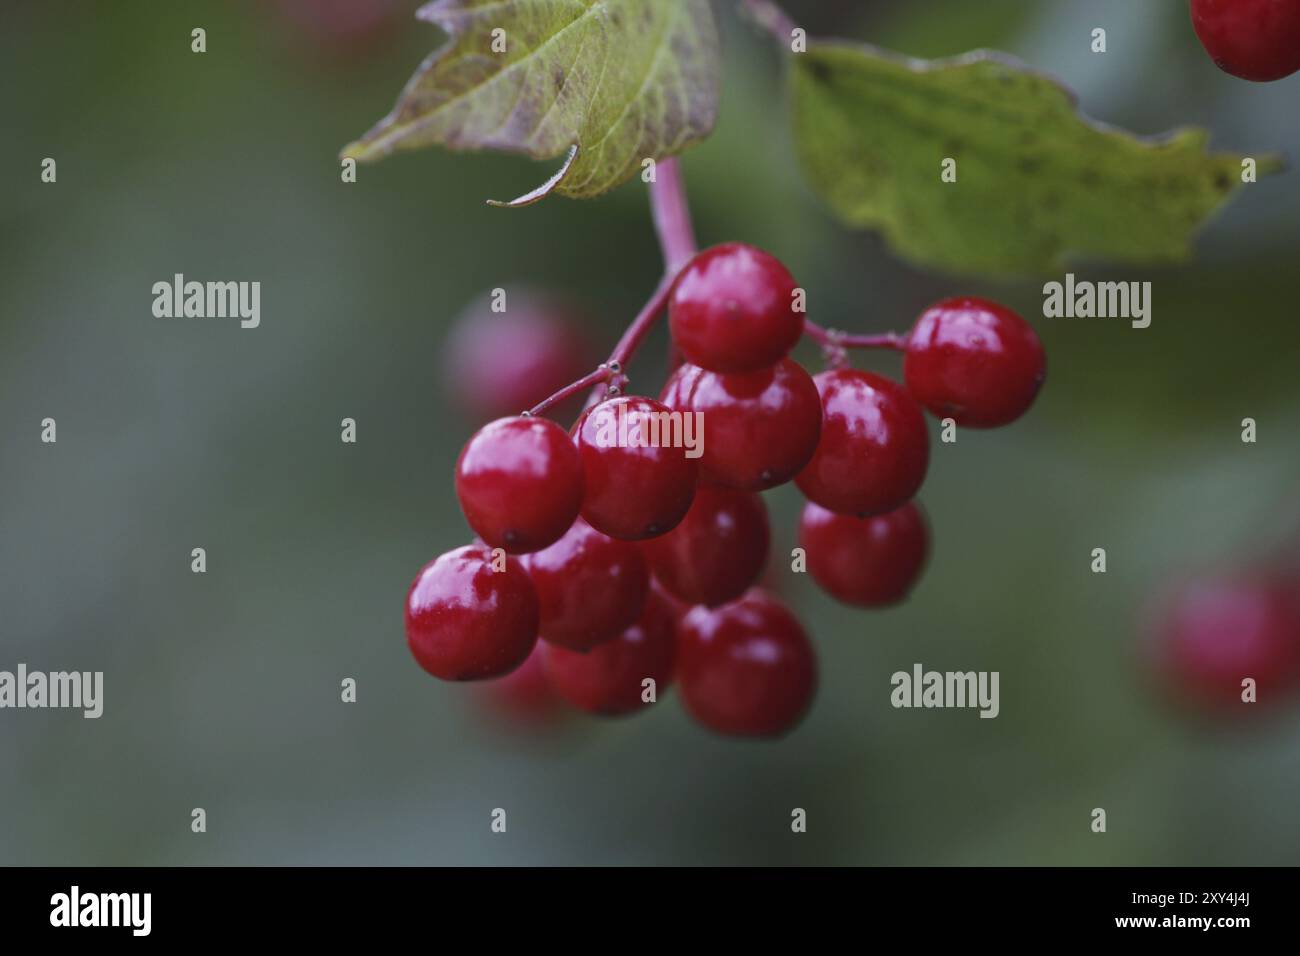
760	428
608	679
732	309
591	587
501	363
639	478
519	481
746	668
1252	39
874	449
974	361
466	621
1210	633
717	552
868	562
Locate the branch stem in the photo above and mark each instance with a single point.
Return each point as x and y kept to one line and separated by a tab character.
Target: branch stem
671	214
598	377
831	338
771	18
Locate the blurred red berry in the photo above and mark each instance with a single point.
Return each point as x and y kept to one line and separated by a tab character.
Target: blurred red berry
610	678
524	696
868	562
591	587
717	552
1210	633
747	668
502	363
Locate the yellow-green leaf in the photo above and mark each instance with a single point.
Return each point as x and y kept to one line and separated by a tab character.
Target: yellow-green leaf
607	83
1036	182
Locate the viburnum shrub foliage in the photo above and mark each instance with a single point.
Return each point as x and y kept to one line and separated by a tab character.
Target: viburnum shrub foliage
632	544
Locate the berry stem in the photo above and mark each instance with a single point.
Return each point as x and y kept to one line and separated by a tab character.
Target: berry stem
641	325
672	220
834	339
672	216
601	375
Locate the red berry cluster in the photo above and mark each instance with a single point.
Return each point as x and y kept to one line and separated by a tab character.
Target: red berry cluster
635	562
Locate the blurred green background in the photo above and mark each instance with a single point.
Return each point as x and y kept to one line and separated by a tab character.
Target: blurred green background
222	689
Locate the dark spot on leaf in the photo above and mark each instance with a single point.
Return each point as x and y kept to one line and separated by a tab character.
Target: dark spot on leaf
1030	164
1090	177
1221	181
819	71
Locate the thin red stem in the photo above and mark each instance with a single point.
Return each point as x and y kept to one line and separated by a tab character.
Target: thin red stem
672	216
642	324
672	220
831	338
601	375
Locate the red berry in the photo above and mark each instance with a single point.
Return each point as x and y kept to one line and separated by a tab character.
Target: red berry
760	428
1211	633
717	552
591	587
974	361
465	621
732	309
502	363
639	480
746	668
524	696
519	481
679	607
1252	39
870	562
608	679
874	449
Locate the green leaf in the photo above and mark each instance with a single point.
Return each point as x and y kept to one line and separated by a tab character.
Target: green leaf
610	83
1037	182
